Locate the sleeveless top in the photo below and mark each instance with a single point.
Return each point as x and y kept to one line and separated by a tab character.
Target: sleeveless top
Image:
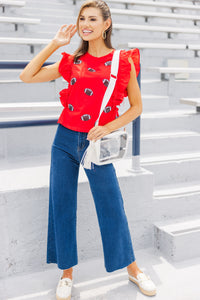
87	80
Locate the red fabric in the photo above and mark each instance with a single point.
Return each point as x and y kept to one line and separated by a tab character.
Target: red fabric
88	81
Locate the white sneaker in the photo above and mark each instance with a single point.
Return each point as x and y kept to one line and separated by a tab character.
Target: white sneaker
64	289
144	283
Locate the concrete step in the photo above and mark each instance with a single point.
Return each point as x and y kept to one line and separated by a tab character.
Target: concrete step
155	103
167	142
173	167
124	35
153	86
63	10
159	57
91	285
29	140
152	21
24	51
49	5
179	88
177	190
183	197
178	239
19	91
25	187
170	120
54	18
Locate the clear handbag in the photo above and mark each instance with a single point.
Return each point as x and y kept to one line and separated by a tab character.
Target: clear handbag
112	146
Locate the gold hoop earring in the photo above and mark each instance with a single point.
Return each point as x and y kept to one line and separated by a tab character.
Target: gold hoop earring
104	35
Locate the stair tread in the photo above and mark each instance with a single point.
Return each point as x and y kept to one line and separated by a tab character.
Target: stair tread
175	133
23	173
168	114
177	189
170	157
180	225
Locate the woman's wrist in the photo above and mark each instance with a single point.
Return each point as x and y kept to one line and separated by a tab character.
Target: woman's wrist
54	44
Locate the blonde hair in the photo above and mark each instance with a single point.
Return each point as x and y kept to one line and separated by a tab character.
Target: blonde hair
105	12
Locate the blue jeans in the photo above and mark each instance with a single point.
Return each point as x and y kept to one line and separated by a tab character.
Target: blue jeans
66	153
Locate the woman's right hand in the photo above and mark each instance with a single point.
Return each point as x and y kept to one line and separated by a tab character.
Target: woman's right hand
64	34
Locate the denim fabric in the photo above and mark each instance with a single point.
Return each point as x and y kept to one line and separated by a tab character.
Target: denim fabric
66	153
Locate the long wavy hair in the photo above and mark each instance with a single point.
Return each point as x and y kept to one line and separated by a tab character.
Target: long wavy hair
105	12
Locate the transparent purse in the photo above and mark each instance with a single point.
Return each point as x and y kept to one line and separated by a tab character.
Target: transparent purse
112	146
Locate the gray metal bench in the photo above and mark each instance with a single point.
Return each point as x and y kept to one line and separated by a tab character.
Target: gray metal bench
172	5
192	101
172	71
167	29
16	21
32	42
152	14
11	3
167	46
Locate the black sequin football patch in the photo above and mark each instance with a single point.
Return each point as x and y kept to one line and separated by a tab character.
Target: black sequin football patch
78	62
73	80
108	63
85	117
107	109
70	107
88	92
91	70
105	82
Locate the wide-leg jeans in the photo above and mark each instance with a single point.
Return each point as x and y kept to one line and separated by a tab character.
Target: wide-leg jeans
66	153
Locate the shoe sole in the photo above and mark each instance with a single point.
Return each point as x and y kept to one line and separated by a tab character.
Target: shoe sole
150	293
59	298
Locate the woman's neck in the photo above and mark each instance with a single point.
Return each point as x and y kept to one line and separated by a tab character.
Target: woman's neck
98	48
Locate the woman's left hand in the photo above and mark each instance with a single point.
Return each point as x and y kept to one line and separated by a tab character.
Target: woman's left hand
97	132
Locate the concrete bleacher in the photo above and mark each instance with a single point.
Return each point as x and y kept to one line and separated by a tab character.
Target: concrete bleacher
10	3
192	101
156	4
170	139
148	14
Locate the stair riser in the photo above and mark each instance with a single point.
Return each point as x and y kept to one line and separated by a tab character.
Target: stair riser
157	21
175	172
26	141
184	205
125	35
170	144
27	92
178	247
25	52
167	124
30	140
154	88
61	10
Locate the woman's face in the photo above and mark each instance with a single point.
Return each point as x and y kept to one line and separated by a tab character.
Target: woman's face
91	24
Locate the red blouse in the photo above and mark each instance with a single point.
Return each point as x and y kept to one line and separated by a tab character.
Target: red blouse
88	79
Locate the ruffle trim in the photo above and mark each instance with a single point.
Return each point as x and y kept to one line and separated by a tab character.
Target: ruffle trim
124	73
64	97
65	65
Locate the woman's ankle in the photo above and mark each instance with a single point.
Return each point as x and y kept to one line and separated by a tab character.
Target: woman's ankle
67	273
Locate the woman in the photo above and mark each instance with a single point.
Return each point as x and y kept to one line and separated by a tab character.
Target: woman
88	73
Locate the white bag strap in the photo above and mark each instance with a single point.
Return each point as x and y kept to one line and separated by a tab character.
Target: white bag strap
111	85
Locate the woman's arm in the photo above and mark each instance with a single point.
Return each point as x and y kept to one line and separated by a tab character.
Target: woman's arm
132	113
34	72
135	101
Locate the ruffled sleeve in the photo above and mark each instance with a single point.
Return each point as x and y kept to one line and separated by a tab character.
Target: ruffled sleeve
124	72
65	65
64	69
